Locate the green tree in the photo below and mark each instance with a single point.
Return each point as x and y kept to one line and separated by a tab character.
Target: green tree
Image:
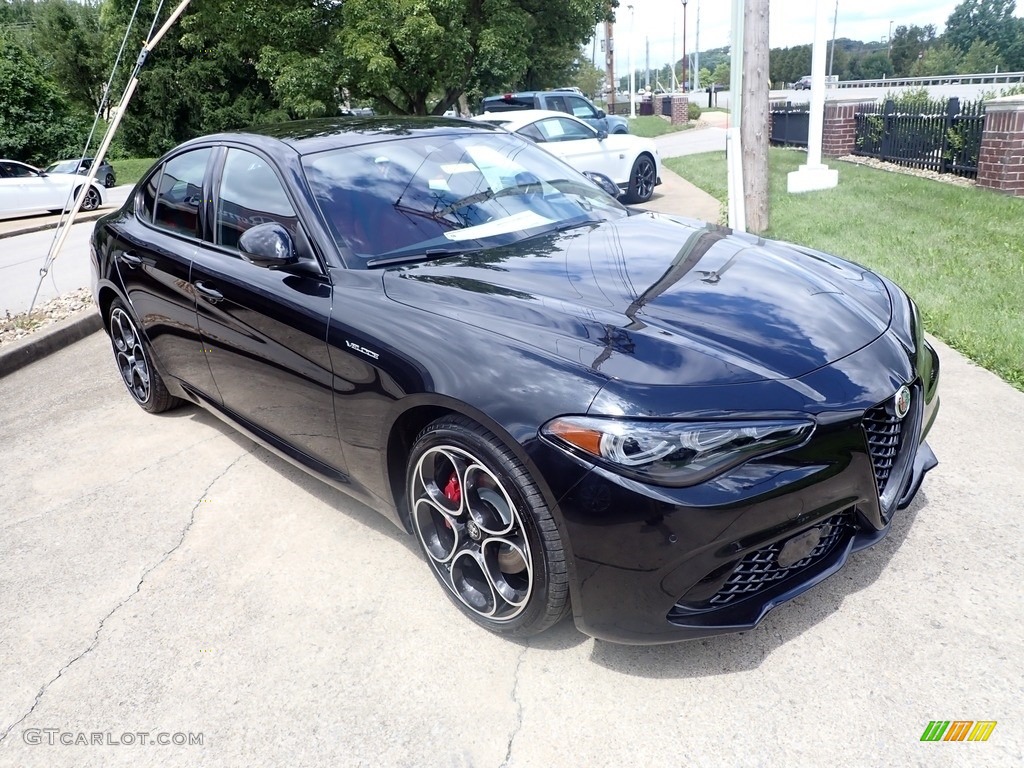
908	44
37	124
990	21
419	56
587	77
981	57
722	74
941	59
69	40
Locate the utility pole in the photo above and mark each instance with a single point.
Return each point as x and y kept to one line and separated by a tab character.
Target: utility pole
754	120
632	71
647	63
734	150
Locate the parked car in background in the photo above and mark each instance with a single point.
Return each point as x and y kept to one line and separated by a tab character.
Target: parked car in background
25	189
566	101
658	426
803	84
105	174
630	161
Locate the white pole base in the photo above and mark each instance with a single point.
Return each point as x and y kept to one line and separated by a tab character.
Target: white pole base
810	178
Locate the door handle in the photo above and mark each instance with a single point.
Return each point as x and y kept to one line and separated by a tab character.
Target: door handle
212	294
130	259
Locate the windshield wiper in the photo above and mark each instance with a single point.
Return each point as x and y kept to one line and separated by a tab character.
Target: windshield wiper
408	258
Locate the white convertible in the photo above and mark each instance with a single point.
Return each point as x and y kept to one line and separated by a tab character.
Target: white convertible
24	189
630	161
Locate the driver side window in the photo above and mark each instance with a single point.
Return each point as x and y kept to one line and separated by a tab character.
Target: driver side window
559	129
250	194
581	109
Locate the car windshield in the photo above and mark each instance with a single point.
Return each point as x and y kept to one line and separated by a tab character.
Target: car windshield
449	194
65	166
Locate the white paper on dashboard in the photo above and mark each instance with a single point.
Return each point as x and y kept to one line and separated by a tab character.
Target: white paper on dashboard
519	221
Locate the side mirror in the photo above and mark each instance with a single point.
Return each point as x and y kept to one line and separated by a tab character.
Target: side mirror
267	245
602	134
601	114
603	182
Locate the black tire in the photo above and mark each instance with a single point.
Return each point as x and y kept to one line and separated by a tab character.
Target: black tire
109	181
92	199
490	540
641	180
134	360
621	131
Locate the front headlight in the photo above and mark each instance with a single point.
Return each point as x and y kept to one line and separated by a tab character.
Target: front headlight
673	453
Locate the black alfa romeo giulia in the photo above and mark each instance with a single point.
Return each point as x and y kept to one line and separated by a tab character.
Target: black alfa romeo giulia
658	425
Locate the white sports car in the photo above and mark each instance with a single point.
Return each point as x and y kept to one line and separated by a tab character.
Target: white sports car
630	161
24	189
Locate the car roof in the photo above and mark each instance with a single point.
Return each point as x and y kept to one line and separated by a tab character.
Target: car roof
513	121
308	137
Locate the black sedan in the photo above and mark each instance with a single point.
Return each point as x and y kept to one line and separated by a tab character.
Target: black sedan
658	425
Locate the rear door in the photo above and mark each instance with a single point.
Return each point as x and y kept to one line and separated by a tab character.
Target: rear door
585	111
153	251
265	330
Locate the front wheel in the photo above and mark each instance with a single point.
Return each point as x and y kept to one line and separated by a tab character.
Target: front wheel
108	182
488	536
92	199
641	180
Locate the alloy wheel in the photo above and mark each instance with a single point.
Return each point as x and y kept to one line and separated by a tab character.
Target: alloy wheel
130	355
644	178
92	200
472	532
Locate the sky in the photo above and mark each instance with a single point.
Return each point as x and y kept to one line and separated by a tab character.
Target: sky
791	23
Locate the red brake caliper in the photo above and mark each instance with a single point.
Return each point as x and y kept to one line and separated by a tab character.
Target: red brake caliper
453	492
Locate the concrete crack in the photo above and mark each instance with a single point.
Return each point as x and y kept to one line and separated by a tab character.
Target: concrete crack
96	635
519	708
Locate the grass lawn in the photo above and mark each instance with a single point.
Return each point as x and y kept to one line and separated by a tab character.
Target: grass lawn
131	170
958	251
650	126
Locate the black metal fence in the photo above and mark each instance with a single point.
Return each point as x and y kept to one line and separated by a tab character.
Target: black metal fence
790	125
945	138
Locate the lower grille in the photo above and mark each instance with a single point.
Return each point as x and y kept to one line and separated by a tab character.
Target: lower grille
882	429
760	570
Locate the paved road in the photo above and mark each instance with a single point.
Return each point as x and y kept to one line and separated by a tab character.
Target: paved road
163	574
22	256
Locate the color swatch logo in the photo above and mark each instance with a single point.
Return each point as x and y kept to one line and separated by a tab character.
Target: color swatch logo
958	730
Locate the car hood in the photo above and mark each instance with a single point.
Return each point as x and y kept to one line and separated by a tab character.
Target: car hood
659	300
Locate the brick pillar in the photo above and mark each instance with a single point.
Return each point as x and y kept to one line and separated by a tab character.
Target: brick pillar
839	132
1001	159
680	110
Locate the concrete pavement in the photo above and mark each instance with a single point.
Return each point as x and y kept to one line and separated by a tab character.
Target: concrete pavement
164	574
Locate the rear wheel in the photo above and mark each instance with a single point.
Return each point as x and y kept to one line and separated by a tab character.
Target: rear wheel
487	534
134	361
108	182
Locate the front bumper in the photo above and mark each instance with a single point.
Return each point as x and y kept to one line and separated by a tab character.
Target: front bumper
657	565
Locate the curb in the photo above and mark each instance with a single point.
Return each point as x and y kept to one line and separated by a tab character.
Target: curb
51	339
91	216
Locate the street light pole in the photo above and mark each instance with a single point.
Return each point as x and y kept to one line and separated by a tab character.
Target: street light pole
632	74
684	44
890	41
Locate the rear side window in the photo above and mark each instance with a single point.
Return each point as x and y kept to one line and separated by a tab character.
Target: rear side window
250	194
557	104
180	193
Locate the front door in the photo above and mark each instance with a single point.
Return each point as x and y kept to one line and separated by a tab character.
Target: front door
265	330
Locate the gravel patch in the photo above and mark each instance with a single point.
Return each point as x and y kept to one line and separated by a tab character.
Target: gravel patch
15	327
945	178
